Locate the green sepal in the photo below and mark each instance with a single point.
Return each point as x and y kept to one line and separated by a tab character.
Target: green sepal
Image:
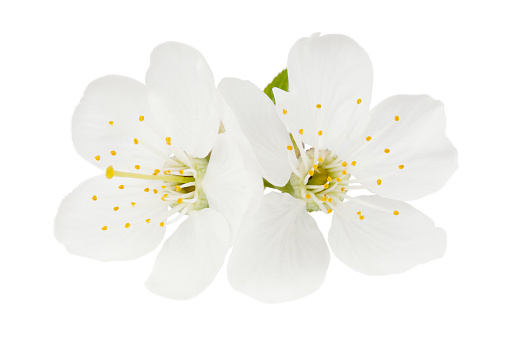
280	81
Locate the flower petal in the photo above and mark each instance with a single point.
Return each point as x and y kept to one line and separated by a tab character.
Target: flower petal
107	130
384	243
99	220
231	188
181	94
280	254
330	81
409	151
258	122
191	257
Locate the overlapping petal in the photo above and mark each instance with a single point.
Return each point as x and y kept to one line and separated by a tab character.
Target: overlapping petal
113	125
384	243
257	121
231	188
111	219
191	257
280	253
181	93
408	150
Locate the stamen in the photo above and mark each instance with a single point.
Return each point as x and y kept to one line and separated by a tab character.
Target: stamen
110	173
137	167
395	213
133	203
311	172
127	225
121	187
111	123
115	208
396	118
387	150
142	118
354	163
135	141
289	147
318	106
285	111
368	138
401	166
320	132
94	198
97	157
301	131
104	228
379	181
113	153
358	101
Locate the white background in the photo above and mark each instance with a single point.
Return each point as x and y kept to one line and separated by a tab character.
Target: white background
456	51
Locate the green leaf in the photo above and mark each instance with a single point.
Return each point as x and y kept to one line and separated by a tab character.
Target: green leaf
280	81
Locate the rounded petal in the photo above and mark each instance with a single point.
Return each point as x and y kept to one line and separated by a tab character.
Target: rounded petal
384	243
330	81
107	219
408	151
191	257
181	93
112	125
231	188
280	254
257	120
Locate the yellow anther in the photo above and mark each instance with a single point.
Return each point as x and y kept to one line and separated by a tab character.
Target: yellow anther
329	211
113	153
318	106
94	198
338	179
147	221
167	172
344	164
343	189
311	172
308	196
354	163
387	150
137	167
146	189
181	172
163	187
396	118
164	196
396	213
359	213
97	157
136	141
343	172
121	187
401	166
324	198
111	123
127	225
161	224
142	118
301	131
110	172
315	166
320	132
155	191
104	228
330	199
115	208
179	201
329	179
368	138
156	172
379	181
358	101
177	188
320	159
325	185
133	203
361	217
285	111
168	140
289	147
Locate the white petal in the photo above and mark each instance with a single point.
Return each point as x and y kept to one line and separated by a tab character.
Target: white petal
108	120
231	188
384	243
191	257
89	224
257	119
181	94
281	254
332	71
416	141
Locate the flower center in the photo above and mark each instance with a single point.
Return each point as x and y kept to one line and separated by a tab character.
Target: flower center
180	179
321	183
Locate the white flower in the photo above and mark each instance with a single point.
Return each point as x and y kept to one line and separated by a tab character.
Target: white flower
154	142
397	150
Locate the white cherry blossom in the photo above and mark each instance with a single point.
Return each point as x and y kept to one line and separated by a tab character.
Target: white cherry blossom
397	150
